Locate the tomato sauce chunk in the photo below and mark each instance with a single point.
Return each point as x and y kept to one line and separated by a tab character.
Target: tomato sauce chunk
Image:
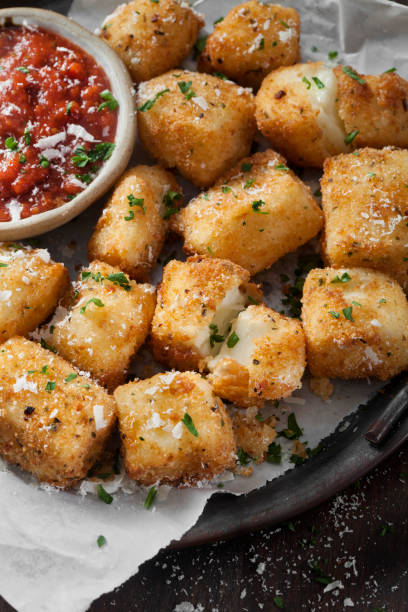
57	121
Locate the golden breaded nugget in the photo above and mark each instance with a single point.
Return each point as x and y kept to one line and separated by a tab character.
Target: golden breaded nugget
152	37
196	302
252	39
253	436
374	109
263	358
365	204
174	430
102	322
131	230
54	422
195	122
256	213
356	324
296	111
30	286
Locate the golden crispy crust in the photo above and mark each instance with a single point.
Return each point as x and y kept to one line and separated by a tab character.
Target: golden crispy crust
101	324
374	343
266	363
376	108
252	217
54	422
251	435
130	235
30	286
152	37
252	40
365	204
188	298
202	135
156	444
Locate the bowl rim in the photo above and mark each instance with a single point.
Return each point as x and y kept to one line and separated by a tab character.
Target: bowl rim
125	136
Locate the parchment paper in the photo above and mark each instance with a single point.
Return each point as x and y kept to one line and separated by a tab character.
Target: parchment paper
49	558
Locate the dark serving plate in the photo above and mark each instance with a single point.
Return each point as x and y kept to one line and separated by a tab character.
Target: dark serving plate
346	455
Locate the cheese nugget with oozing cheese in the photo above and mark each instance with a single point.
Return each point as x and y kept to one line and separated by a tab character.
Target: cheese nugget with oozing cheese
131	231
310	112
252	39
152	36
30	286
54	422
374	109
263	358
365	205
196	303
296	111
102	322
356	324
195	122
174	430
256	213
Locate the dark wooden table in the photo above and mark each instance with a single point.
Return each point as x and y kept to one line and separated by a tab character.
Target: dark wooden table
360	537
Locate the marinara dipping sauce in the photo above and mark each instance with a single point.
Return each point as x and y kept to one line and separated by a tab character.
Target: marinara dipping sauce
57	121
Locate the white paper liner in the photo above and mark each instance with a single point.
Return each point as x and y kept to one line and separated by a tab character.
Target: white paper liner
49	558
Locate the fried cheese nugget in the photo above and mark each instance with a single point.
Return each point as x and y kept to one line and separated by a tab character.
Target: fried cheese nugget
252	39
356	324
131	230
102	322
30	286
152	37
263	358
174	430
195	122
256	213
196	303
296	111
365	205
54	421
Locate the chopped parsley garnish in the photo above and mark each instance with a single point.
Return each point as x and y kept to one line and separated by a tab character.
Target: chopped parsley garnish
261	44
93	300
334	314
293	431
220	75
256	205
243	457
27	136
285	25
104	495
44	162
215	336
382	301
109	101
294	293
246	167
22	159
168	201
23	69
101	541
189	425
200	45
282	167
50	386
351	136
218	20
306	80
98	278
185	88
233	339
150	497
351	73
249	183
332	55
47	346
344	278
101	152
356	303
317	193
278	601
274	453
225	189
119	278
3	265
68	108
136	202
70	377
318	82
11	143
348	313
319	575
85	178
150	103
389	70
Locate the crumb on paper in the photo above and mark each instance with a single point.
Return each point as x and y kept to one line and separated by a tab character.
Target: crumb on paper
322	387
